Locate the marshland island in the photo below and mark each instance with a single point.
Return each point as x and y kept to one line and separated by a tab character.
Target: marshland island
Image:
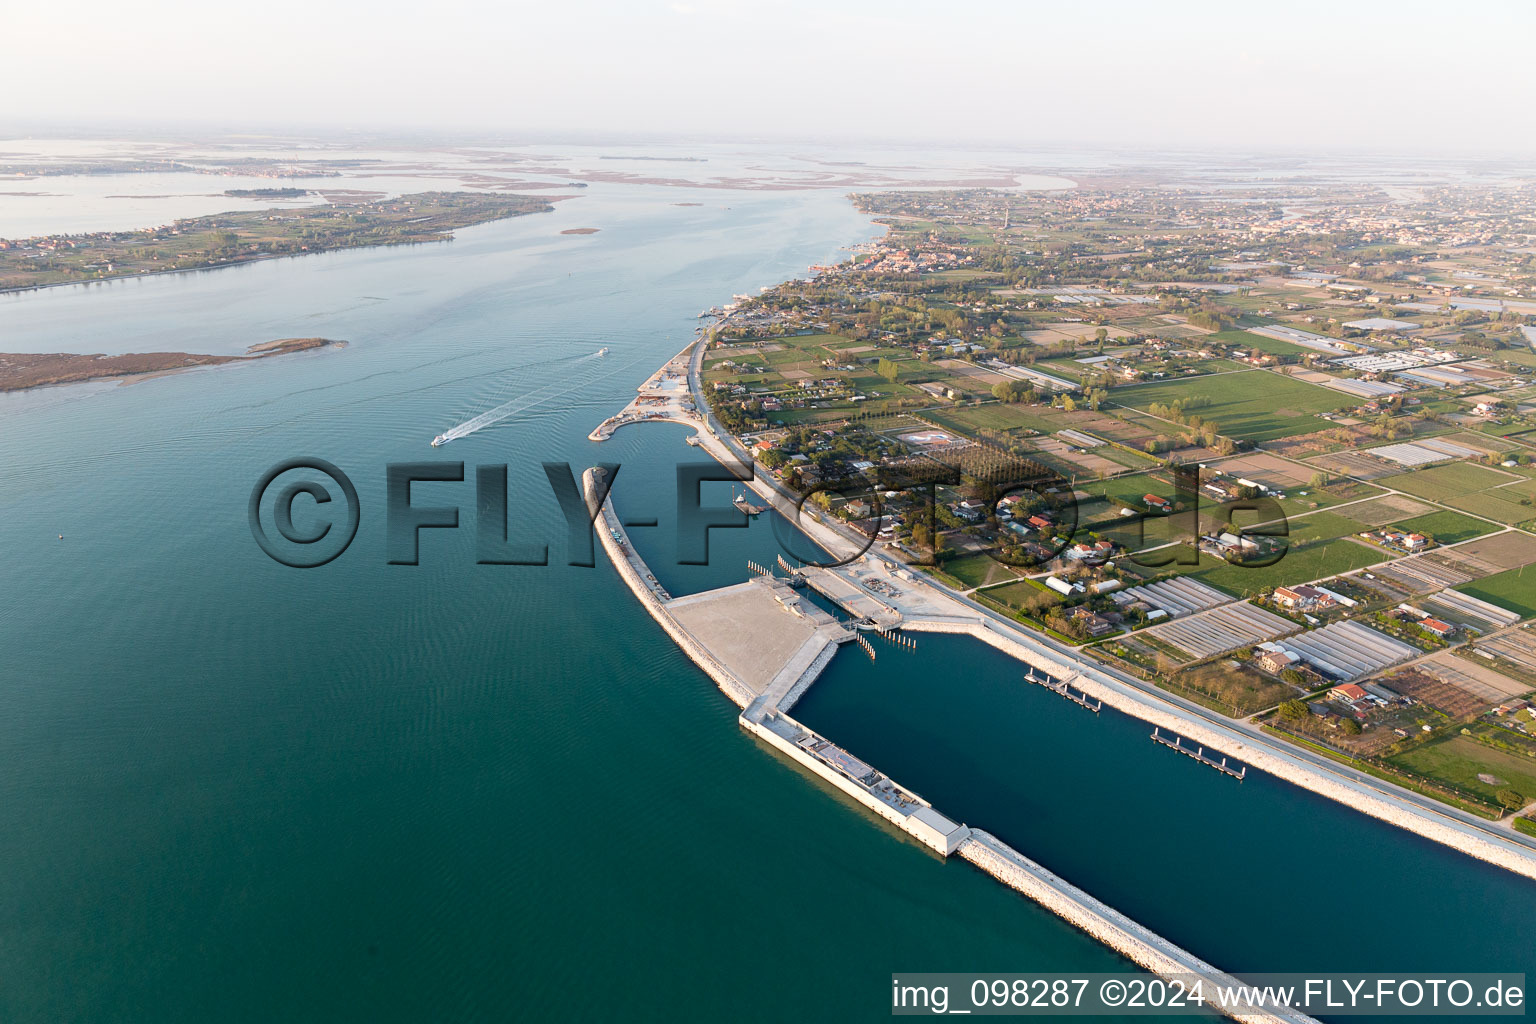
227	239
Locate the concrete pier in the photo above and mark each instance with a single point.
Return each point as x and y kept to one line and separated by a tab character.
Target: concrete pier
896	804
766	659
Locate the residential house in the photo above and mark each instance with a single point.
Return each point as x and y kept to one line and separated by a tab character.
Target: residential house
1349	693
1302	597
1277	660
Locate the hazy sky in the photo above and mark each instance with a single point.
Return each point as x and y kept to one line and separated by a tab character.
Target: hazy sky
1444	77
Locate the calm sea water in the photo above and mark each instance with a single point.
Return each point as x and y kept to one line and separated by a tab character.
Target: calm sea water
239	791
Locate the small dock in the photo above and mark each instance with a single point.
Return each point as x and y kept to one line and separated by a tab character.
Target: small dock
743	505
1177	743
1061	689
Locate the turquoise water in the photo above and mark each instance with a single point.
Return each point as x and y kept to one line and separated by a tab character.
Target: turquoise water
238	791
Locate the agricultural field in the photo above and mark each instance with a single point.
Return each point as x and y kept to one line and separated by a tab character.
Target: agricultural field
1127	491
1257	341
961	274
1068	369
1267	469
1480	490
1319	547
1504	504
1389	509
995	416
978	570
1254	404
1445	527
1459	760
1481	442
1014	597
1514	589
1450	481
1093	463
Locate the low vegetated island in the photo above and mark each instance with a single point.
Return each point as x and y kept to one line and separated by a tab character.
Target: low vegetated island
266	193
226	239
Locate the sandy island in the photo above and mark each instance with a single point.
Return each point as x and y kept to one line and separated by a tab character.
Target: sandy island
22	370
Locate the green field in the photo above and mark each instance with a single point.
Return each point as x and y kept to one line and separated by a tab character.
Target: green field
1460	759
1128	490
1472	488
1014	594
1257	341
960	274
1441	482
1446	527
1321	526
1514	355
1128	459
1253	404
800	348
1500	504
1069	369
1337	491
1514	589
978	570
995	416
1319	547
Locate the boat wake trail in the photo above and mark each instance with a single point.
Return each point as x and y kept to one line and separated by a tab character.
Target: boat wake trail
521	403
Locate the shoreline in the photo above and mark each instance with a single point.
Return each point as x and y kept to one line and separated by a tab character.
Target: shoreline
1354	790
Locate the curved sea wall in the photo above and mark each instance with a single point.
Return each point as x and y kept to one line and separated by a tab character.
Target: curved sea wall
991	855
622	555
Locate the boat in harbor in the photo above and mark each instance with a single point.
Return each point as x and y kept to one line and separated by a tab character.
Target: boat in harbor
743	505
440	439
603	351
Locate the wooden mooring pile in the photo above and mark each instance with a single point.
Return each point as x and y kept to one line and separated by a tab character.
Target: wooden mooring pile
897	638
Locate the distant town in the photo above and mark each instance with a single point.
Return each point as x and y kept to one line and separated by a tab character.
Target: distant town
1288	438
